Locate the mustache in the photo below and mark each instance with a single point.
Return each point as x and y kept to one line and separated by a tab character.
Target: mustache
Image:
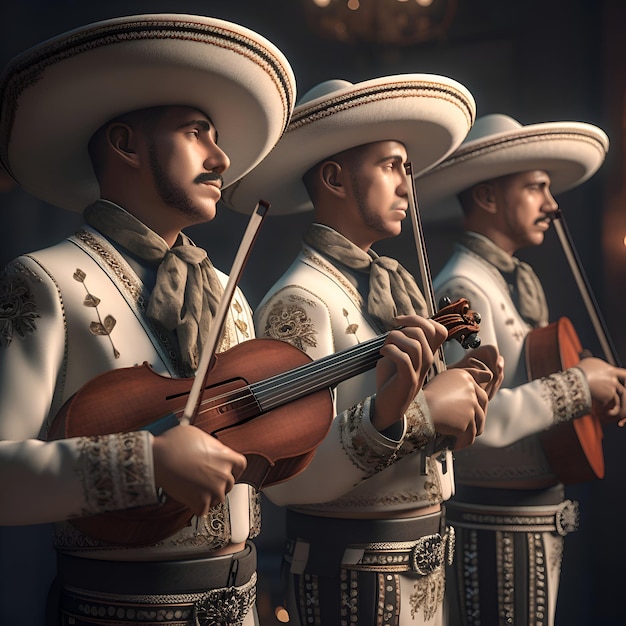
546	218
207	177
550	217
399	204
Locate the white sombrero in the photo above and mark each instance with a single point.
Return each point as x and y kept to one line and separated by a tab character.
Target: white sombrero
429	114
57	94
498	145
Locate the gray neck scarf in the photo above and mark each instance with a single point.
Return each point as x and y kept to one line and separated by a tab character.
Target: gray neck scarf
187	291
392	289
528	293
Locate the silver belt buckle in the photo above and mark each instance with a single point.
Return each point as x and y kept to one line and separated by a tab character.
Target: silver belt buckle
567	517
427	554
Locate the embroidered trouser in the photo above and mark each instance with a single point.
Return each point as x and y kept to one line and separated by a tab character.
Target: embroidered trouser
508	559
357	572
216	591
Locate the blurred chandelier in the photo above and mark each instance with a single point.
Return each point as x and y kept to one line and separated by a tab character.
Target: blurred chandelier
397	22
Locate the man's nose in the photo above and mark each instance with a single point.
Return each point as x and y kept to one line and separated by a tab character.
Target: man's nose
218	160
550	205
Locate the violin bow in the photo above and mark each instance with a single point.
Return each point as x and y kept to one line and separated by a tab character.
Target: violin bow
439	365
207	357
422	257
584	288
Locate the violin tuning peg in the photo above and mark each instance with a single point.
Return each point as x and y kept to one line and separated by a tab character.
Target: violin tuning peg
444	301
471	341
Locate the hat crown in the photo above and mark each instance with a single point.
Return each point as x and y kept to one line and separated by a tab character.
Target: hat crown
59	92
324	89
429	114
499	145
492	124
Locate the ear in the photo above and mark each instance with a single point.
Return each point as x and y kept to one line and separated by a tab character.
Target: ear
332	174
484	197
122	140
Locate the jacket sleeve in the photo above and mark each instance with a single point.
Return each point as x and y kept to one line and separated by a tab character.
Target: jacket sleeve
520	408
353	449
45	481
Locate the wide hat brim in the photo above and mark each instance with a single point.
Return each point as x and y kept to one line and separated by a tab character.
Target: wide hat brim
429	114
57	94
498	145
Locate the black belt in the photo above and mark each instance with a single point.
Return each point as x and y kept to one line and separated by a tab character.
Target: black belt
353	531
508	497
402	544
157	577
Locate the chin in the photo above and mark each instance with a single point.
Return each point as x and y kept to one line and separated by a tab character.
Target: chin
206	212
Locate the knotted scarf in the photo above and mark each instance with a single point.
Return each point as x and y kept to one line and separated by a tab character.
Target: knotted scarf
528	293
392	289
187	291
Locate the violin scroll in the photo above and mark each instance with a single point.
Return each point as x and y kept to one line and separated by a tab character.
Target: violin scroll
461	322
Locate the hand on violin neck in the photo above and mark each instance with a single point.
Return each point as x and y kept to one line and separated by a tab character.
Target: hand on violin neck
458	403
407	356
194	468
484	359
426	330
607	387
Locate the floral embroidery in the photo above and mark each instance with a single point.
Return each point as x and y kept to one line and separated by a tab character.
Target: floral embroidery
241	325
290	323
101	327
122	275
351	328
17	307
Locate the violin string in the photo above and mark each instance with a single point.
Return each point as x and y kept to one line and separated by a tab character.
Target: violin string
298	382
301	381
321	373
335	367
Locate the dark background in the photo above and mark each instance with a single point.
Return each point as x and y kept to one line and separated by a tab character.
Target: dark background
535	60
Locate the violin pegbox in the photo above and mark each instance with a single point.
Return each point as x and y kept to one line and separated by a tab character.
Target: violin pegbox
460	321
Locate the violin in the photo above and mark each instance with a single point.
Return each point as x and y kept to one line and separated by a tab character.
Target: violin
573	448
263	398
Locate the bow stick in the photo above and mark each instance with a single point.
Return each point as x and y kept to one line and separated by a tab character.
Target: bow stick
584	288
208	355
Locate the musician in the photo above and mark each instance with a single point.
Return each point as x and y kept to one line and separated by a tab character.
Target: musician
123	117
376	551
509	510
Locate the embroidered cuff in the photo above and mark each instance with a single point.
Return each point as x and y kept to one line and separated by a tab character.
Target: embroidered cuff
568	393
420	429
367	448
116	471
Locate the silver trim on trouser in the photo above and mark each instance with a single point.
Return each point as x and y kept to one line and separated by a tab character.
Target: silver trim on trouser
228	606
561	518
421	557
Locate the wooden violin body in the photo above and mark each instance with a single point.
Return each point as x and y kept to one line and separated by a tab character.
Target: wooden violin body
278	443
574	447
263	398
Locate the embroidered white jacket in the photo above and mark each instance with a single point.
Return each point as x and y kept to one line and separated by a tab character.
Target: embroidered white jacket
356	469
509	449
69	313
